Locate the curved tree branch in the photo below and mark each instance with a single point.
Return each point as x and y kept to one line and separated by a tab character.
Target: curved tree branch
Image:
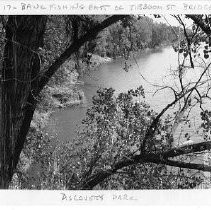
74	47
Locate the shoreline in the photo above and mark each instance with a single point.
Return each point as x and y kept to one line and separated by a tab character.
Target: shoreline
63	96
70	94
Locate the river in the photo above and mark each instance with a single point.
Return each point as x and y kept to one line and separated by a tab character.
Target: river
150	68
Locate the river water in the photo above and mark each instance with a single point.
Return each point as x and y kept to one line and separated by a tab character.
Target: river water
149	69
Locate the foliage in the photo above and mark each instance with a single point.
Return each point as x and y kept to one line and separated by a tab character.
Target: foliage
113	130
119	131
133	34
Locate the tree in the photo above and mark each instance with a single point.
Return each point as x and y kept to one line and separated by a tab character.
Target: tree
19	87
22	81
110	156
189	94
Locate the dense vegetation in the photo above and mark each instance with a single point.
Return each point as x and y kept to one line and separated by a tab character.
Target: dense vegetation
133	35
124	144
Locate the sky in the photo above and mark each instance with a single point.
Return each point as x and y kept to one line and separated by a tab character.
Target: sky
168	19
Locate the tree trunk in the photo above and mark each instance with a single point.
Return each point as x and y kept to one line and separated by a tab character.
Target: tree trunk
21	82
20	76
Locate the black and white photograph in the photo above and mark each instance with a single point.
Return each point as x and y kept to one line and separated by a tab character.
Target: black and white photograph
105	102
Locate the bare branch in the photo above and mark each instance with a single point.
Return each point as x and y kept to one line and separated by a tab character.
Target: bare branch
187	149
195	166
187	39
